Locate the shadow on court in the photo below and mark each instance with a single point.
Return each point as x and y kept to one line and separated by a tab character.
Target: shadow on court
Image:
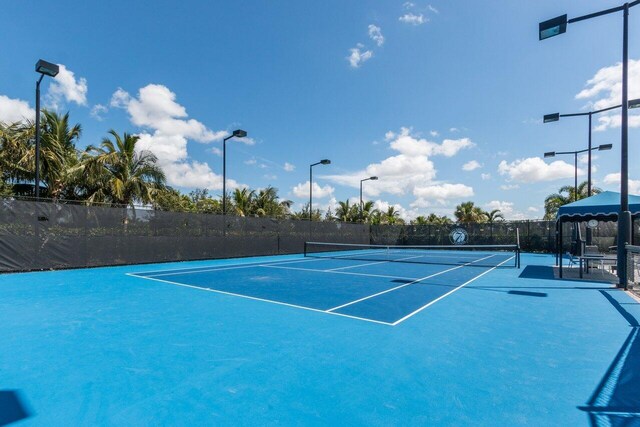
12	408
544	272
529	294
616	400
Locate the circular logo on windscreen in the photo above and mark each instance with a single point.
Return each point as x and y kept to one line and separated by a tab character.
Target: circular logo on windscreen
593	223
459	236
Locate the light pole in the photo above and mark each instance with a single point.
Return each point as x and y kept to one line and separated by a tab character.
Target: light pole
602	147
558	25
371	178
238	133
321	162
45	69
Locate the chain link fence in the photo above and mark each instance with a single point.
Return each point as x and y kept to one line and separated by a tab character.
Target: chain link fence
46	235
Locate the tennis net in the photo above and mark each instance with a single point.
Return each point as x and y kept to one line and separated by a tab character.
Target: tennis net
471	255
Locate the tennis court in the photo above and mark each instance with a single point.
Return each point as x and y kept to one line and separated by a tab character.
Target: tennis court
344	335
384	284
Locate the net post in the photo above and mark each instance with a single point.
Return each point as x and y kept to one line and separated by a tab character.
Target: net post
305	249
519	250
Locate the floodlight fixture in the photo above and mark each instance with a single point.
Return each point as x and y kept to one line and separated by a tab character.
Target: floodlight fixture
605	147
239	133
325	162
552	27
551	118
550	154
634	103
47	68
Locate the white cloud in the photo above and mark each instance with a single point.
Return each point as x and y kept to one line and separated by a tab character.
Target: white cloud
302	190
407	144
433	9
97	111
155	108
15	110
358	56
509	187
615	121
583	159
413	19
375	34
434	133
533	209
65	87
613	179
534	169
506	208
289	167
471	165
408	5
485	176
403	172
454	130
604	90
250	162
216	151
397	174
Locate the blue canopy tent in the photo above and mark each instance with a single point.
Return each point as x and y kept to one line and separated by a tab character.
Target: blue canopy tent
604	206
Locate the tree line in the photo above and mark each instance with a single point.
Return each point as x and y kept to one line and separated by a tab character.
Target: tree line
114	173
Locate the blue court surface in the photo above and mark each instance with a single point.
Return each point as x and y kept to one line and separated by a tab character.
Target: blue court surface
292	340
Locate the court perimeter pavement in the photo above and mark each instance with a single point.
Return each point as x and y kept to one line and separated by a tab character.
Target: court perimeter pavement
109	346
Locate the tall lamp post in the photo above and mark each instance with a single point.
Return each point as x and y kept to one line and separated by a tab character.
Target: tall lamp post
45	69
558	25
602	147
238	133
321	162
371	178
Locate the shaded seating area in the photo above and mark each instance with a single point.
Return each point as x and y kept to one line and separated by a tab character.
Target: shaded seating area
602	207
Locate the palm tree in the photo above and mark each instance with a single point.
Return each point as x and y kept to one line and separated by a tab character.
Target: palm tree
14	160
392	216
438	220
467	212
60	163
243	201
419	220
59	158
493	216
376	217
367	210
267	203
127	176
566	194
346	211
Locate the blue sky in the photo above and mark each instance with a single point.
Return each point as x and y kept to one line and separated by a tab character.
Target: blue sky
442	100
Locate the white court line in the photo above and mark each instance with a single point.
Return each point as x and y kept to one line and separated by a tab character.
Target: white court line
406	284
374	263
337	272
449	293
261	299
214	268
